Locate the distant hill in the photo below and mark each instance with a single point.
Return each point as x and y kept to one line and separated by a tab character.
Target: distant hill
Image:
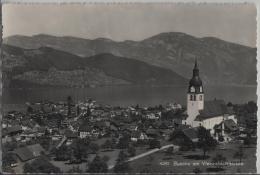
220	62
46	66
134	71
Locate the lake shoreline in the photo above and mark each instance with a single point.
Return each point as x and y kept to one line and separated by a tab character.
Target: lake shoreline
127	95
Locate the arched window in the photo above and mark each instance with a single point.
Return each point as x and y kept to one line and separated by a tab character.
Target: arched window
191	98
194	97
201	98
192	89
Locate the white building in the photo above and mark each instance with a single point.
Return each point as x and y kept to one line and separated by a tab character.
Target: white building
204	113
195	98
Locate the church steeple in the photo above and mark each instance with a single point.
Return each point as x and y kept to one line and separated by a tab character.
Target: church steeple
195	84
195	97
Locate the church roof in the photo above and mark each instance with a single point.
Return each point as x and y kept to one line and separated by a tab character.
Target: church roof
212	109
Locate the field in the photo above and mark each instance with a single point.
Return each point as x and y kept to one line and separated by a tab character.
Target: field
160	162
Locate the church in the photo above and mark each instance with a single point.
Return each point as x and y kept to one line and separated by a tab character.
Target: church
209	114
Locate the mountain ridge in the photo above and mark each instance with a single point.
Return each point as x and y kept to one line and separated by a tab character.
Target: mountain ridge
220	62
47	66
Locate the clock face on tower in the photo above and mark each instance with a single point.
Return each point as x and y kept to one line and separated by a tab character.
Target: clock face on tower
192	89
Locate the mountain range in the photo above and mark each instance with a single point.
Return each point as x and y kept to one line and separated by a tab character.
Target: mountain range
164	59
46	66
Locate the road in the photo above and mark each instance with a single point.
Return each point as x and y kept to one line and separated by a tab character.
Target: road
61	142
148	153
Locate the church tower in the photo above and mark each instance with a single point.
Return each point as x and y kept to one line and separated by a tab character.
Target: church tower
195	97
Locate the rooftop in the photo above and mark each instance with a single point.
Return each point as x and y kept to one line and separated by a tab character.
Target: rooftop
212	109
29	152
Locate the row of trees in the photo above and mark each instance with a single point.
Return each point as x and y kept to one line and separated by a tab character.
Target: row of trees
99	165
77	152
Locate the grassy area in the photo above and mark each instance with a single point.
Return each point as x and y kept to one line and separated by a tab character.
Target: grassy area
153	162
66	167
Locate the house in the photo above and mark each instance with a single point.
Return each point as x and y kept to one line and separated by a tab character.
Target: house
173	107
40	131
153	116
28	124
30	152
28	135
138	135
226	129
113	127
12	131
152	133
166	133
54	121
70	135
85	131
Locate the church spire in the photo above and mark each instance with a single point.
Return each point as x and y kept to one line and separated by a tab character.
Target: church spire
196	65
195	69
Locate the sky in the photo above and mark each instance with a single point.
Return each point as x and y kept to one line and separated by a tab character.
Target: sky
231	22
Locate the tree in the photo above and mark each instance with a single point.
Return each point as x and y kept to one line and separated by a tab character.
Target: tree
29	109
105	158
69	103
9	146
251	107
160	107
169	151
206	142
219	160
45	141
62	154
131	151
146	170
75	169
8	159
40	165
98	166
122	165
78	110
88	112
123	142
197	170
107	144
154	144
80	148
247	140
122	156
93	147
229	104
239	153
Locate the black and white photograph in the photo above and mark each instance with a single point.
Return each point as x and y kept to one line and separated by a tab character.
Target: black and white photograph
129	88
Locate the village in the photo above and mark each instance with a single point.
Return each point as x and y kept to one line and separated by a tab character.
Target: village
73	136
70	135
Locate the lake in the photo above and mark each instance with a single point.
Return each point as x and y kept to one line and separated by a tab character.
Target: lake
127	95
